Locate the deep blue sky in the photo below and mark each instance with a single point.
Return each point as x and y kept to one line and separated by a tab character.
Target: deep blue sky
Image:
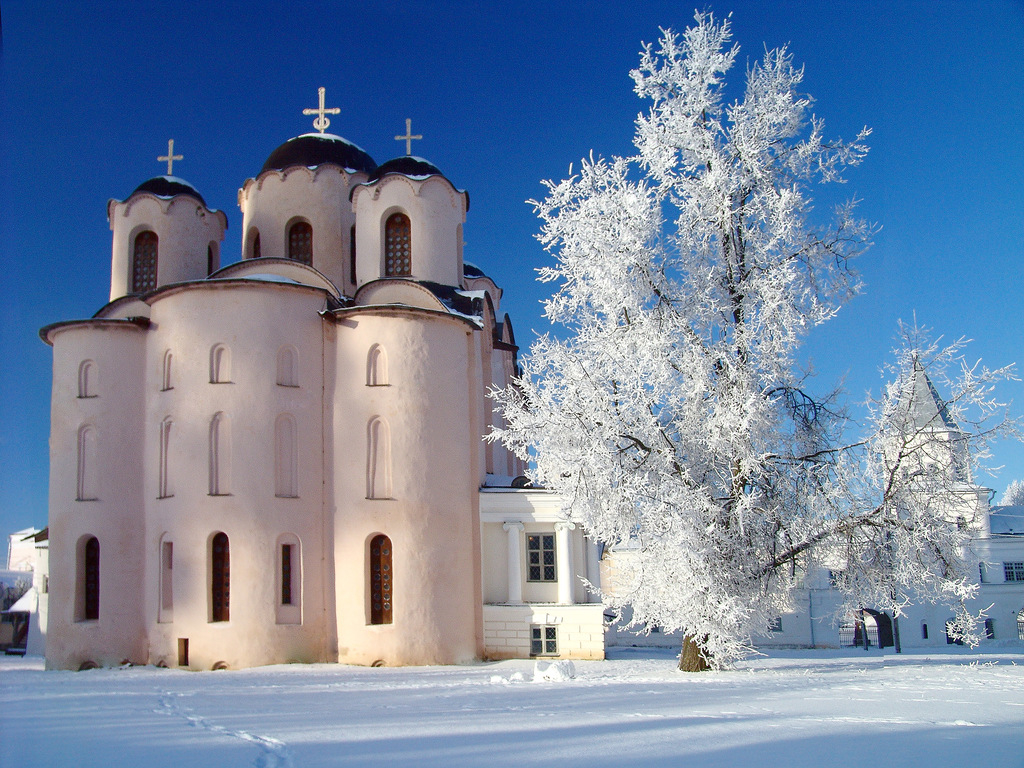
505	95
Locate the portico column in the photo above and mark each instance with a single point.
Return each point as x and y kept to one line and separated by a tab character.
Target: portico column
566	570
515	558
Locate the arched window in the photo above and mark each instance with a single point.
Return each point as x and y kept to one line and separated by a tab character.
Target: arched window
285	457
220	578
211	259
144	257
381	580
289	580
287	367
352	254
166	612
220	364
220	455
164	489
87	379
397	246
166	381
256	251
377	367
86	489
378	459
89	580
300	242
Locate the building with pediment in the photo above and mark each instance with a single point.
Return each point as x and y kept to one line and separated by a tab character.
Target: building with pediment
282	459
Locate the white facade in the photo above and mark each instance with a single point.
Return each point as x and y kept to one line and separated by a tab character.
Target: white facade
282	459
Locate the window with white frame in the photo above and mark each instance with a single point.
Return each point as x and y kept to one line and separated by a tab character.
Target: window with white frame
543	640
1013	571
540	557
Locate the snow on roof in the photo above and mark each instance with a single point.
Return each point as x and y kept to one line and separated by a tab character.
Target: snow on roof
268	277
27	603
1007	521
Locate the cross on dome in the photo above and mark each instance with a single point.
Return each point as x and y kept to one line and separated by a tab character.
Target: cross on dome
408	136
170	157
321	121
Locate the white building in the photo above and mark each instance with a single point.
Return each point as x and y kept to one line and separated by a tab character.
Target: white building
282	459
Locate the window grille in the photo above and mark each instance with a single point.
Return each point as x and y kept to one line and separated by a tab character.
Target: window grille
543	640
540	552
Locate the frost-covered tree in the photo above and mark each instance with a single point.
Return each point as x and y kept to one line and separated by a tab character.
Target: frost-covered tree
673	414
1013	496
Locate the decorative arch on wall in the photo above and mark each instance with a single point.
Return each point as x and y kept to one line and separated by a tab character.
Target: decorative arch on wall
300	242
220	577
287	366
254	250
144	261
164	480
377	367
88	470
220	364
220	455
382	576
378	459
397	246
289	579
87	379
212	260
286	468
166	597
167	372
87	598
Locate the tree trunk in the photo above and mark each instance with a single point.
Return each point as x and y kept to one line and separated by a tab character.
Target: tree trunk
693	657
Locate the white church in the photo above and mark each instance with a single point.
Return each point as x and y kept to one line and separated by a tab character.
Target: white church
282	459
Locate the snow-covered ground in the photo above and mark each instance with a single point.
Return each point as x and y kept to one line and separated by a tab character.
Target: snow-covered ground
792	708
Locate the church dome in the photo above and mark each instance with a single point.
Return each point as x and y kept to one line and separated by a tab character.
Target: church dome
168	186
411	166
313	149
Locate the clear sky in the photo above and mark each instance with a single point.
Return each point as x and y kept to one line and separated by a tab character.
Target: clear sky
505	94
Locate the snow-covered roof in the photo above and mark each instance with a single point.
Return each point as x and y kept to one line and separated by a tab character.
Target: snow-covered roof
921	405
1007	521
27	603
315	149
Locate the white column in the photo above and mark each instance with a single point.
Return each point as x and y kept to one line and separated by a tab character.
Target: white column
566	570
515	560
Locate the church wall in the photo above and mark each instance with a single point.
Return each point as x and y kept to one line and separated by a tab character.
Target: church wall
435	212
252	321
185	228
319	196
113	512
430	512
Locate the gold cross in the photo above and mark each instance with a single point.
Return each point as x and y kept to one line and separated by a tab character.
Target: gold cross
170	157
408	136
321	122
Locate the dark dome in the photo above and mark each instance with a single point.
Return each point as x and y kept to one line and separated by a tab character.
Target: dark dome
313	149
407	165
168	186
414	167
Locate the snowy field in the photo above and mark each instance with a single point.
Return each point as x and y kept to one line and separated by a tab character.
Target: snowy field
793	708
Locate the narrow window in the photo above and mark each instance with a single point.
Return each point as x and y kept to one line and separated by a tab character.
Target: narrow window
924	631
300	242
377	367
87	379
144	255
990	629
285	457
87	464
378	460
352	254
257	251
289	580
397	246
381	580
220	455
220	364
1020	625
287	364
540	553
220	578
182	651
166	581
166	379
164	490
211	259
543	640
90	580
